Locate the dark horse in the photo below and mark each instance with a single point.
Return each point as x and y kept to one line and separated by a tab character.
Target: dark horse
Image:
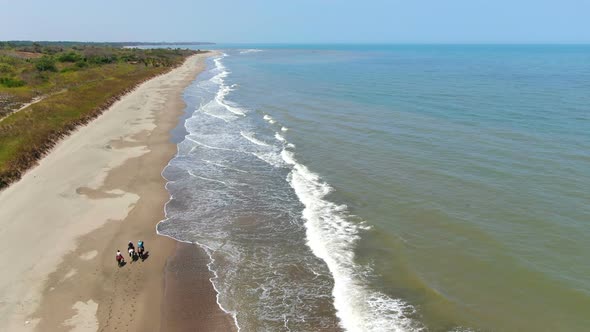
140	252
133	254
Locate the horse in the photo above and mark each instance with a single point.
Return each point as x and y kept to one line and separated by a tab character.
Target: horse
133	254
140	252
120	260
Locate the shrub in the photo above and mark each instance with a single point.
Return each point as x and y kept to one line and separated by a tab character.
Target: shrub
81	63
11	82
99	56
102	59
69	57
45	63
9	59
6	68
51	50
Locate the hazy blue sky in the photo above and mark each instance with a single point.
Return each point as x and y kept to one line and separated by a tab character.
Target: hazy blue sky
439	21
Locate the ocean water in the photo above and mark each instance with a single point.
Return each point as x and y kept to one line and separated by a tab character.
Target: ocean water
390	187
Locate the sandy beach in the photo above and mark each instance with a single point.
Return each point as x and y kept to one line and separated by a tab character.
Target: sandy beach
62	223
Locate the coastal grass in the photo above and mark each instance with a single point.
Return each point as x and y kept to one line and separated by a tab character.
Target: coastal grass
71	96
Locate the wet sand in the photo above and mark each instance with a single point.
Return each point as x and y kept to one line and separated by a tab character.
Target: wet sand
101	187
187	300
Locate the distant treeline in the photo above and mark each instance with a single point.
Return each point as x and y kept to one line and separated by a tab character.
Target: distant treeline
24	63
66	44
31	64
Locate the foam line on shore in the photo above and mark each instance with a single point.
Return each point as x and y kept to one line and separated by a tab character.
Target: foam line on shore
207	250
202	246
211	261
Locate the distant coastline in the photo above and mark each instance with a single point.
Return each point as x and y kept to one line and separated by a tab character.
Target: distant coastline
113	44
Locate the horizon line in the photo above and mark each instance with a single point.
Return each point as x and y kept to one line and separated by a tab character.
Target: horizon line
303	43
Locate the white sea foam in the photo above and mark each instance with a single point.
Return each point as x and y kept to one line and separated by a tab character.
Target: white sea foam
224	89
332	237
220	98
269	119
284	128
224	166
279	137
208	108
209	146
271	158
218	64
206	179
235	110
250	137
218	79
216	116
252	50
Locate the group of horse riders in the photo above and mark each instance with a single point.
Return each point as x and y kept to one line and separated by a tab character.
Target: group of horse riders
133	254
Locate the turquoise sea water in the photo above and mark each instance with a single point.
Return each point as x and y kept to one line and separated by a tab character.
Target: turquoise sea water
391	187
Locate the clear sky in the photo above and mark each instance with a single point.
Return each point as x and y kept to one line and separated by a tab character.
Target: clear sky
299	21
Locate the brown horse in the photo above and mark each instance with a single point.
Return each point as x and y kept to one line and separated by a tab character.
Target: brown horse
120	259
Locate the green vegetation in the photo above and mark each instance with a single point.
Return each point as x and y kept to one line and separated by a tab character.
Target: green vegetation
11	82
74	84
45	63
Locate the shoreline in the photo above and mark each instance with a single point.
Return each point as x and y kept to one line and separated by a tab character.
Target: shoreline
188	298
99	188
